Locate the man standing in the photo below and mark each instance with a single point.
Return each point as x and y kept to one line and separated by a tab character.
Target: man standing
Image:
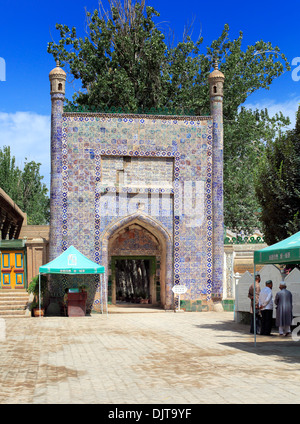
266	307
251	297
284	309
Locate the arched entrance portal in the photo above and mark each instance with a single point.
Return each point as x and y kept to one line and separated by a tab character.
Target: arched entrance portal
138	253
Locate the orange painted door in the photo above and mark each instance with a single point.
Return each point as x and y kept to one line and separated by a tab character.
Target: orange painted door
12	269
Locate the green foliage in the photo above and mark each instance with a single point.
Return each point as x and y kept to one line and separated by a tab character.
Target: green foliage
25	187
34	285
34	288
125	61
245	138
278	186
119	62
10	174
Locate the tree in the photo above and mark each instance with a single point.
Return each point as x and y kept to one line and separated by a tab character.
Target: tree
25	187
119	62
35	201
124	61
278	186
245	138
10	174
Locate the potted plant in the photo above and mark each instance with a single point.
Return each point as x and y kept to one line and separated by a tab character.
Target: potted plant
33	288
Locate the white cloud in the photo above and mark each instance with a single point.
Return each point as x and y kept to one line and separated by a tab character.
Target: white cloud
28	135
288	108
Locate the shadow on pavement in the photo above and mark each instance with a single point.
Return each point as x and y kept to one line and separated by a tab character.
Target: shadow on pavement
227	326
285	351
285	348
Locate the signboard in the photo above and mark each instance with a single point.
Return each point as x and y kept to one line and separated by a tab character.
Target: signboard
179	289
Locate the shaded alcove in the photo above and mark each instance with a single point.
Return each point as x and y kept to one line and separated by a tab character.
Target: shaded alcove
132	278
135	255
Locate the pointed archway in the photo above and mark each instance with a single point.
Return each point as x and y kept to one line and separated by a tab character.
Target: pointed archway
161	238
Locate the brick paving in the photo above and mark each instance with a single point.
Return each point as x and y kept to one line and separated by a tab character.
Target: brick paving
144	358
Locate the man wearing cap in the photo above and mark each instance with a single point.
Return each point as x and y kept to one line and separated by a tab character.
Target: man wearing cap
265	303
284	309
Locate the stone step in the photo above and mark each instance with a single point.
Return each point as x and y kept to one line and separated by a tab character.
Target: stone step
18	296
12	300
19	306
11	315
13	303
17	312
11	291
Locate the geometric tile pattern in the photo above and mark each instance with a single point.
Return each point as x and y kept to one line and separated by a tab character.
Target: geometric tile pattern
109	163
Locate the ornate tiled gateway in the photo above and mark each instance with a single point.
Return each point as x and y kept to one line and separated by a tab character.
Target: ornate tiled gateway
145	186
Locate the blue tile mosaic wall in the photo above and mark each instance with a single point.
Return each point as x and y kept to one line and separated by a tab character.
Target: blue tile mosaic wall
109	170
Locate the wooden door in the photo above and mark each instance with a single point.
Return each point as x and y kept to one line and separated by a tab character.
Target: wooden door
12	269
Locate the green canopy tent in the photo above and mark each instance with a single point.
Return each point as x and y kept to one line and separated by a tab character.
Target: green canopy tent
71	261
284	252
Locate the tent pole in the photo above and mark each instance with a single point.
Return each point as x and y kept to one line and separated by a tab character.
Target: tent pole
106	292
101	294
254	308
40	294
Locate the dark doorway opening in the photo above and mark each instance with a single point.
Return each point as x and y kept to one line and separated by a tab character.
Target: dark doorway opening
132	280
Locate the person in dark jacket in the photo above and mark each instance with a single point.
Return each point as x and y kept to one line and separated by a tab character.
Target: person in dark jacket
284	309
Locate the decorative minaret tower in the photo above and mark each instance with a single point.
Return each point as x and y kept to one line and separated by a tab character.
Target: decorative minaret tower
57	91
216	82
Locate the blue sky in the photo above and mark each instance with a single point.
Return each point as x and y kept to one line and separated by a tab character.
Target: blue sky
27	27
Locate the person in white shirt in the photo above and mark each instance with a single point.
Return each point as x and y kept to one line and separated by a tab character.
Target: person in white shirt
265	303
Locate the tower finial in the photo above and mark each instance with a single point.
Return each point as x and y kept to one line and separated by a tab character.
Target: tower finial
57	80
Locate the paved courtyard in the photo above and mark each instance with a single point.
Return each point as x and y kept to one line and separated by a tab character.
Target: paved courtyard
145	358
